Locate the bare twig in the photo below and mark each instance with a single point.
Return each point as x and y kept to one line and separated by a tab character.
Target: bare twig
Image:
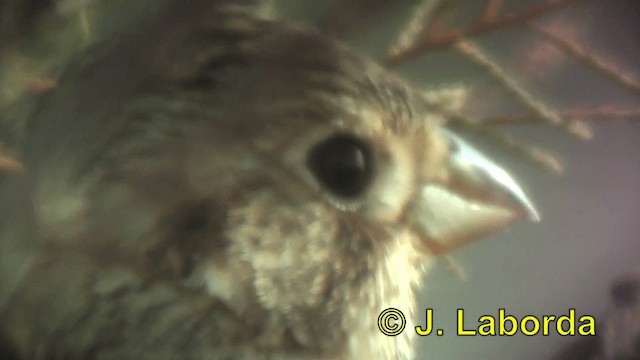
491	9
455	267
522	96
432	42
599	113
423	16
613	72
539	156
7	164
440	19
533	153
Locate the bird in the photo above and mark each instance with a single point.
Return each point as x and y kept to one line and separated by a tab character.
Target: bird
212	184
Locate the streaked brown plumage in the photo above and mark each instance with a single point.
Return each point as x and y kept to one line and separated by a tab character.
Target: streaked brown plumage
212	185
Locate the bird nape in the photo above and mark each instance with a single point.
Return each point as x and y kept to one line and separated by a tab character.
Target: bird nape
212	184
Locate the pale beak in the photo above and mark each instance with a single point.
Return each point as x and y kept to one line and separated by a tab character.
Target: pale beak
478	199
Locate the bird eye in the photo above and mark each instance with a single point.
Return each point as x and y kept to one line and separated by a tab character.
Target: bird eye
343	164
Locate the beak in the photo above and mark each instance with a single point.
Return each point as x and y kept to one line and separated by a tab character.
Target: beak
479	198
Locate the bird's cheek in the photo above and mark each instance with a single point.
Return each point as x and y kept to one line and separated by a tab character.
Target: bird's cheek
289	248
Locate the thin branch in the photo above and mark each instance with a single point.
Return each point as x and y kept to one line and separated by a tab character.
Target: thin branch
591	114
613	72
517	92
8	165
454	266
423	16
433	42
537	155
443	15
491	9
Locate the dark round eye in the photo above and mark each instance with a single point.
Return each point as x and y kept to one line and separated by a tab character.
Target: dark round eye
343	164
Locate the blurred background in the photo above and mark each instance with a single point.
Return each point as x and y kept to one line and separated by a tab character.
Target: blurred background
590	229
